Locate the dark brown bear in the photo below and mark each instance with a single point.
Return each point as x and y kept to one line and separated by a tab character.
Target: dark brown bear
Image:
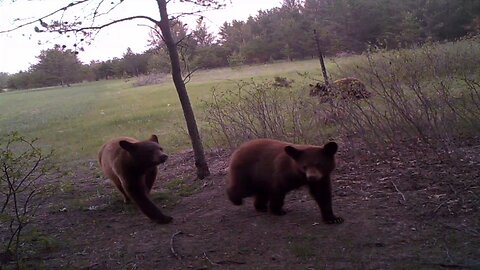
269	169
132	167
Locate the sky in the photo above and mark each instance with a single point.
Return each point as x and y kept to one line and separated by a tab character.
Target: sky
19	48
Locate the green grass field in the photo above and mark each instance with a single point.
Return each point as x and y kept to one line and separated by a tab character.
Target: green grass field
76	120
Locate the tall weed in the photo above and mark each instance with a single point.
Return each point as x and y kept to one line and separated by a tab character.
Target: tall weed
430	94
261	110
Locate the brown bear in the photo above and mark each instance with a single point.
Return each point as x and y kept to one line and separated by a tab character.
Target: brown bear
132	167
269	169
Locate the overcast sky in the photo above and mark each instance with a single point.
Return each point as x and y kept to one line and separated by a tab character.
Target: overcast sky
18	49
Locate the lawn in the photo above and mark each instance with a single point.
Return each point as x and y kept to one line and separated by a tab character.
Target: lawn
76	120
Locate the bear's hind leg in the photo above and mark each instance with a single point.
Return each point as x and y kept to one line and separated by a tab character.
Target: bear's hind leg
235	195
238	188
261	201
118	184
276	204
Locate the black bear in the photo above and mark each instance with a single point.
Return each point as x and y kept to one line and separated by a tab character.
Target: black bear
269	169
132	167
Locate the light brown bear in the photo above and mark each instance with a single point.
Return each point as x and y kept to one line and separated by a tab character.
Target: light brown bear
269	169
132	167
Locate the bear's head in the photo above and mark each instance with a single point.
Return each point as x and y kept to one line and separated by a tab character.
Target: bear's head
314	162
147	153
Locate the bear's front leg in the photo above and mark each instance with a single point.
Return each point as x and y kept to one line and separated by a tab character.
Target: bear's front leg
150	177
276	203
321	191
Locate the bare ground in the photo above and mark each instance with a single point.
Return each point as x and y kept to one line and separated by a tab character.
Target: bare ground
412	210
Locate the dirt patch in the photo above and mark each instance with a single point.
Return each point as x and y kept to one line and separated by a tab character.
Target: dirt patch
410	211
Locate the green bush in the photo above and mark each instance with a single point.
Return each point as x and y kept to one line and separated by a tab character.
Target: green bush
429	94
263	110
25	171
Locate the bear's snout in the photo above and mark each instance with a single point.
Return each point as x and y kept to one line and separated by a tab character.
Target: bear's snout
313	174
313	179
163	158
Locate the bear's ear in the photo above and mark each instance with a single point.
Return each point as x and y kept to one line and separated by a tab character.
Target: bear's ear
127	145
293	152
153	138
330	148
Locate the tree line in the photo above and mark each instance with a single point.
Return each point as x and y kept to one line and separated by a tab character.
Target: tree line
282	33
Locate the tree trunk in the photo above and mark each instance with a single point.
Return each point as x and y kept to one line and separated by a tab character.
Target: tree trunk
322	63
200	162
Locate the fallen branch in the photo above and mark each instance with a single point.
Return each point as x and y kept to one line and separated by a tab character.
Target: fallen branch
221	262
172	249
451	265
208	259
230	262
464	230
399	192
451	187
438	207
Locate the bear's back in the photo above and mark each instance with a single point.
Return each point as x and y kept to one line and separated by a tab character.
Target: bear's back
112	155
258	162
264	151
257	151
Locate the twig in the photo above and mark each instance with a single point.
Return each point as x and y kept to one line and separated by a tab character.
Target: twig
448	265
172	249
99	27
208	259
220	262
43	17
187	77
438	207
447	251
399	192
466	230
230	262
451	187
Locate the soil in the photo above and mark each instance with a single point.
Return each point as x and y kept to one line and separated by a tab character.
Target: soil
411	209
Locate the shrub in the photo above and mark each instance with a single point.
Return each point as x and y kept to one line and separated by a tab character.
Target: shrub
345	88
236	60
153	78
24	174
282	82
430	94
262	110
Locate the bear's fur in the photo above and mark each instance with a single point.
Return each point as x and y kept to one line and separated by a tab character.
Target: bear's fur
132	167
269	169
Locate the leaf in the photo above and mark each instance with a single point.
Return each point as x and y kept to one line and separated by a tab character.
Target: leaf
42	23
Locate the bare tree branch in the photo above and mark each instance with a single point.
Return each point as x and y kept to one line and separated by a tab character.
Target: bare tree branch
154	29
112	8
99	27
188	77
8	194
43	17
178	15
96	11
